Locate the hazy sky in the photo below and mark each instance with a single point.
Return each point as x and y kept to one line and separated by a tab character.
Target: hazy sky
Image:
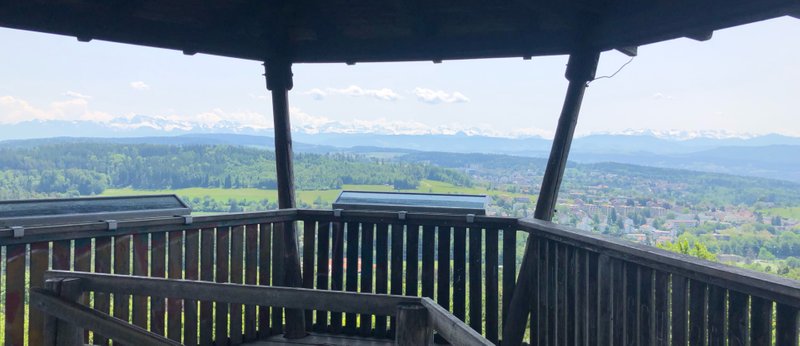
745	80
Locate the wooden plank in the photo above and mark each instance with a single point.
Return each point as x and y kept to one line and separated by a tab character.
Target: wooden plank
737	319
428	252
544	285
367	248
604	310
647	325
351	272
39	258
191	272
716	316
475	279
222	275
141	267
455	331
337	272
509	269
412	260
207	251
578	275
460	272
397	270
287	297
83	263
175	271
761	330
102	264
323	270
278	272
698	312
62	256
381	272
309	237
661	308
15	294
680	311
250	278
618	284
631	287
443	283
88	318
786	325
491	281
264	276
237	277
413	327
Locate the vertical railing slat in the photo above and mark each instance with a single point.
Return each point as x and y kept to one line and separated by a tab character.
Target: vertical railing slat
309	248
39	258
207	252
83	263
367	254
381	271
716	316
460	272
604	310
122	266
544	327
412	260
175	271
509	269
761	330
351	272
680	310
323	270
278	272
102	264
737	319
250	278
428	252
191	265
475	279
618	282
786	325
698	312
646	307
579	293
222	275
662	308
237	277
631	288
141	266
491	280
15	294
337	272
397	270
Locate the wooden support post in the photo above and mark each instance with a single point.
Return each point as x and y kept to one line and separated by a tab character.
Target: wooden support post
60	332
279	82
580	70
413	327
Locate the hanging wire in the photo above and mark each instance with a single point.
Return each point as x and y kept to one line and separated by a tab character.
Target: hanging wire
613	74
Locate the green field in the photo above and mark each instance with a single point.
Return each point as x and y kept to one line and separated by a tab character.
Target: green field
790	213
307	196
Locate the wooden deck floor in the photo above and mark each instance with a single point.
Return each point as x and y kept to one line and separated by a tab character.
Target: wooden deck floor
323	339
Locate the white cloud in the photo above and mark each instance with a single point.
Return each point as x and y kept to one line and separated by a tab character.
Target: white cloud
77	95
431	96
139	85
383	94
15	110
662	96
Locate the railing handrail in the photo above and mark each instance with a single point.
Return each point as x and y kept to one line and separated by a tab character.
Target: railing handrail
394	217
34	234
767	286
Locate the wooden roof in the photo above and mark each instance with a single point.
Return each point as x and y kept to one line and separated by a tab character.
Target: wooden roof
386	30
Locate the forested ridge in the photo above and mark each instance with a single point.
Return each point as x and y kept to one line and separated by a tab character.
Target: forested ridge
90	168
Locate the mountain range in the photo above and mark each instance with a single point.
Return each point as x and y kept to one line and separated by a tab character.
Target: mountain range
770	156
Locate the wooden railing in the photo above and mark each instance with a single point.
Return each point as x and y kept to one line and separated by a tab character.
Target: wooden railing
417	317
589	289
247	248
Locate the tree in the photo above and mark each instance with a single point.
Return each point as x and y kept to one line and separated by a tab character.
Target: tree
692	247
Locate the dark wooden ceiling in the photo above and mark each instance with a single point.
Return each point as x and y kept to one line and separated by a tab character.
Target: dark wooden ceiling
385	30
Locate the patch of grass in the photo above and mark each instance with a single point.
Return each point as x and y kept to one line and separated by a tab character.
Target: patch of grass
789	212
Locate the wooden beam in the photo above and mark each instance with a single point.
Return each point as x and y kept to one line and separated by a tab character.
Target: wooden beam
291	298
701	36
630	51
279	82
88	318
581	68
455	331
413	327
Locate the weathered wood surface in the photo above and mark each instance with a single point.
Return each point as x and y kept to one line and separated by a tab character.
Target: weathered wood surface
264	275
94	320
454	330
413	325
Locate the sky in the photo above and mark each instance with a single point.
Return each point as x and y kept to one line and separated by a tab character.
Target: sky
743	81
